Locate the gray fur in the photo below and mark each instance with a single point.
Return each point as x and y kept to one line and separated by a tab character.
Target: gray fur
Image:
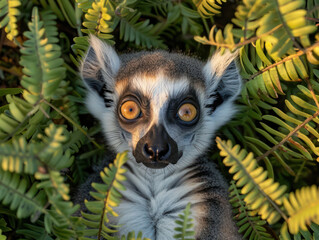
174	65
155	197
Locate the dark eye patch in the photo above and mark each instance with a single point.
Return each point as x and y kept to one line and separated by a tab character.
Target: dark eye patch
143	103
217	101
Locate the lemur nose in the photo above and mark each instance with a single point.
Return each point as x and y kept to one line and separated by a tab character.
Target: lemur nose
157	153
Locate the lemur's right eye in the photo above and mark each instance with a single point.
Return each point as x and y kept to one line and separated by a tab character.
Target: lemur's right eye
130	110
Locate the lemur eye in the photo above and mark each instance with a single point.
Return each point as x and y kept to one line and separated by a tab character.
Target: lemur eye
130	110
187	112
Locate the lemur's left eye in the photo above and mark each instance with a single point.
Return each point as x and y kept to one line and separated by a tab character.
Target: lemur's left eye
187	112
130	110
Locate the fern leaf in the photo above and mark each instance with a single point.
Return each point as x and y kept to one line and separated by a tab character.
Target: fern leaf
9	9
262	193
97	20
43	74
106	198
295	127
208	8
303	208
18	157
20	195
39	50
131	236
34	231
22	157
139	32
249	225
185	229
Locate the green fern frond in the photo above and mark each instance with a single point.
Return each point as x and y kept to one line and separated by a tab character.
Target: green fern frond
40	50
20	195
34	231
43	74
303	208
22	157
2	237
131	236
261	193
9	9
18	157
3	228
106	198
299	121
185	229
208	8
249	225
140	32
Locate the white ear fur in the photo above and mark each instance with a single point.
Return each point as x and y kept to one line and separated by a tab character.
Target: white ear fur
221	74
100	64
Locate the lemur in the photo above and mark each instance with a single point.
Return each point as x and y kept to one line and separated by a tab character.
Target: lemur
164	109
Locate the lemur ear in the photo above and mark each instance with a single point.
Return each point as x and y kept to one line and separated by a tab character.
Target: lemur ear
222	75
99	66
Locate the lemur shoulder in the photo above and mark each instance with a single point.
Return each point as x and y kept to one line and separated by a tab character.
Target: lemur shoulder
164	108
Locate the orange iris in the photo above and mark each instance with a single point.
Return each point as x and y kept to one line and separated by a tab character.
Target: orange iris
130	110
187	112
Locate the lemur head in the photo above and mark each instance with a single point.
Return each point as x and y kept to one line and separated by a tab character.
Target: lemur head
162	107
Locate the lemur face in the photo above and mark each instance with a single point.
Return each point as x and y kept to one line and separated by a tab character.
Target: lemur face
163	108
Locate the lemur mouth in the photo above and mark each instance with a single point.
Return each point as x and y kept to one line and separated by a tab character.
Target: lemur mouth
156	165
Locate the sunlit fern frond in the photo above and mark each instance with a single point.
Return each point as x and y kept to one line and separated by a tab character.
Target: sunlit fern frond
303	208
262	194
208	8
23	157
98	16
249	225
97	19
281	23
312	233
107	196
9	9
296	127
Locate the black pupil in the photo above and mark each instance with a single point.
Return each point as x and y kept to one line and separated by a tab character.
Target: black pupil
131	110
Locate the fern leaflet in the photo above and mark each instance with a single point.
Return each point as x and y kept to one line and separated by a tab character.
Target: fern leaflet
262	193
107	197
185	229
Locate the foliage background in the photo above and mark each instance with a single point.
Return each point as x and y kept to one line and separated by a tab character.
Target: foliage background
48	142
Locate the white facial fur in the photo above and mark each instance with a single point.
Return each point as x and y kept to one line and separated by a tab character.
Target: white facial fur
160	90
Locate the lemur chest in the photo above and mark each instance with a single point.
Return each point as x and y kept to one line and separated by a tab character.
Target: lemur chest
153	200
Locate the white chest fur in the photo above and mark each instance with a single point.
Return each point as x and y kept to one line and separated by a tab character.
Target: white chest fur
153	199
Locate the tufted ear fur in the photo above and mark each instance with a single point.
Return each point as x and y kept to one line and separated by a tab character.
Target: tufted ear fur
99	66
222	76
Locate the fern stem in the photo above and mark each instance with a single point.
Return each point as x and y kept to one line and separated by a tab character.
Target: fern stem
206	25
274	148
299	53
275	206
73	122
106	200
300	171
